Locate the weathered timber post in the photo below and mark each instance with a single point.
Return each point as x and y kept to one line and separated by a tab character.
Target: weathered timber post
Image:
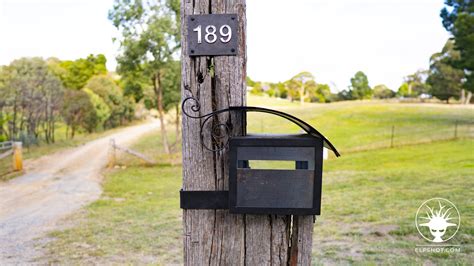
216	237
17	156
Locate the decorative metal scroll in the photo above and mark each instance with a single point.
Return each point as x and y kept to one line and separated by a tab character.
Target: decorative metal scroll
221	133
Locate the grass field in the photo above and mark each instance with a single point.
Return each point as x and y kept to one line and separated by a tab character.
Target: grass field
370	194
361	125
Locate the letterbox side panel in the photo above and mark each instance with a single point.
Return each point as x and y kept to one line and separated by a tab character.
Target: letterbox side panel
318	177
275	188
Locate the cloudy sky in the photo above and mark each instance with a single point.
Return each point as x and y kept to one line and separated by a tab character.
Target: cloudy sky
333	39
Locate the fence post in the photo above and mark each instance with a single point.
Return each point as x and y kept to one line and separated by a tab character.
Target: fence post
112	157
392	136
456	129
17	156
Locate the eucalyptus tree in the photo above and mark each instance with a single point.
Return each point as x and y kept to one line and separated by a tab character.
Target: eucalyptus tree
458	19
75	73
300	85
31	98
78	111
149	44
360	88
381	91
446	81
416	83
109	91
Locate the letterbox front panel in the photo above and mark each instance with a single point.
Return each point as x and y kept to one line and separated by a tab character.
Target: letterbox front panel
270	189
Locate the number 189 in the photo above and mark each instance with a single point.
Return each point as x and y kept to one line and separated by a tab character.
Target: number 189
225	33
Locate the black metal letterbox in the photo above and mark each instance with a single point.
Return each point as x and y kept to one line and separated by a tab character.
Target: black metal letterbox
268	174
270	189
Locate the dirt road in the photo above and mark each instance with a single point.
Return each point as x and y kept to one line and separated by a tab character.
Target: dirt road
53	187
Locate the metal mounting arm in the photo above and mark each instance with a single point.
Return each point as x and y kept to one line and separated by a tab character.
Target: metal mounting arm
216	128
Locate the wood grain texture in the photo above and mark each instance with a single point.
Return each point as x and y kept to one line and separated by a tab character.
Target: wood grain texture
216	237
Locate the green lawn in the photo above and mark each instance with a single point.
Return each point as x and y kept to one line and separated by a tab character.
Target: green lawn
369	197
370	200
353	126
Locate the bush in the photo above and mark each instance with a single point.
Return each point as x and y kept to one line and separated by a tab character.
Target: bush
383	92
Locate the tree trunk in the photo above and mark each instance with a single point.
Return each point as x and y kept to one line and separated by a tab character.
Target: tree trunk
468	97
53	127
301	90
161	112
216	237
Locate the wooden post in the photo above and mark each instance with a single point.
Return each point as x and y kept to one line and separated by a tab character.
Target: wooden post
17	156
216	237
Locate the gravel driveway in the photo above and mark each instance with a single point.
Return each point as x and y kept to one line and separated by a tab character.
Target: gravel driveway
53	187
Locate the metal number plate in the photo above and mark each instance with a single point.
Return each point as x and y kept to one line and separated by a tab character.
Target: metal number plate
214	34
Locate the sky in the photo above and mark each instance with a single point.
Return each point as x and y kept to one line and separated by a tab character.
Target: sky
333	39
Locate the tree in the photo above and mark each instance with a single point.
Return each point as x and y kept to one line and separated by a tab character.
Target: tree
78	111
282	90
417	83
133	87
171	83
31	97
257	88
75	74
102	111
344	95
324	92
3	103
3	116
360	88
403	90
458	19
150	41
250	82
445	80
300	85
105	87
383	92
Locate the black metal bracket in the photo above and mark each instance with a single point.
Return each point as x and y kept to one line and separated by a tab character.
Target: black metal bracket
221	133
203	200
207	200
